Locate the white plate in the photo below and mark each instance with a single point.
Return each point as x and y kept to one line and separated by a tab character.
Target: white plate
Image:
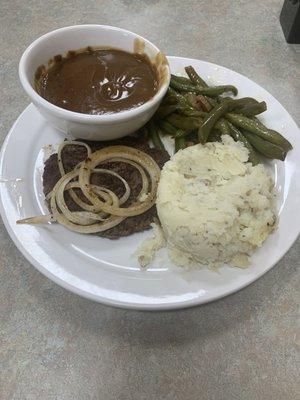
107	271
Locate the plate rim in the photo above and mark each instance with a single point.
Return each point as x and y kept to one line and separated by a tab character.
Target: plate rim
127	304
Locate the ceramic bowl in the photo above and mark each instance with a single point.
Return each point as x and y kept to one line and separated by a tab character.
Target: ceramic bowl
78	125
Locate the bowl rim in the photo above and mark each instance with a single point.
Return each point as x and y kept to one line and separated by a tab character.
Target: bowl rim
81	117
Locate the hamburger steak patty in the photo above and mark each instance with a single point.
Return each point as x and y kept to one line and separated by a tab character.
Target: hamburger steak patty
72	155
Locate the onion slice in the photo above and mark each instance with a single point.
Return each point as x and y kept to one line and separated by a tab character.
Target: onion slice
123	153
39	219
68	143
102	209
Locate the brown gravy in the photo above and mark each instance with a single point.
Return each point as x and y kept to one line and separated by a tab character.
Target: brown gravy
98	81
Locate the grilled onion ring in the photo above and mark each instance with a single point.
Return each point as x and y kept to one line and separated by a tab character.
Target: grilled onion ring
122	153
105	209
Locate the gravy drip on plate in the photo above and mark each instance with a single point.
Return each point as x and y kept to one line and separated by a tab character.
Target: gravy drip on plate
98	81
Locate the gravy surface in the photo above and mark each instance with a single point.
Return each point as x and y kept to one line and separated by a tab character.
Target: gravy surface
98	81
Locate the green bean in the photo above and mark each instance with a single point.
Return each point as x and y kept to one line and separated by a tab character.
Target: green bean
169	99
255	119
182	79
180	143
223	126
237	135
192	137
190	105
215	114
252	109
181	86
210	91
192	99
287	146
210	120
256	127
171	92
164	111
172	130
265	147
217	126
226	117
216	90
194	77
239	103
212	101
224	98
182	122
192	113
181	100
154	136
198	81
215	136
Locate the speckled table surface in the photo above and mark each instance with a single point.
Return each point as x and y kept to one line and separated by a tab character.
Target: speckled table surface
56	345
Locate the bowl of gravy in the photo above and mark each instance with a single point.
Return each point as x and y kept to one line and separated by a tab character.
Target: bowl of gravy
93	81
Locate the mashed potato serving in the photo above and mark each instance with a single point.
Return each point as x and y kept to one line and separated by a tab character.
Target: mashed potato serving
215	207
